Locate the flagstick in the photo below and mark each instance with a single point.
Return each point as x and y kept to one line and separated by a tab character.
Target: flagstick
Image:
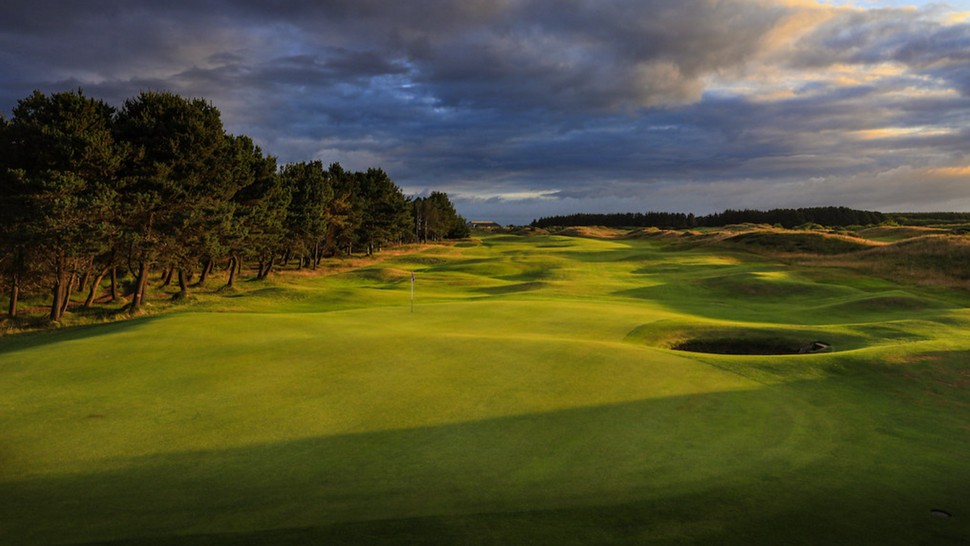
412	291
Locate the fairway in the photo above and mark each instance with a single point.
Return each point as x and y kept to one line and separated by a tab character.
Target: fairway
533	396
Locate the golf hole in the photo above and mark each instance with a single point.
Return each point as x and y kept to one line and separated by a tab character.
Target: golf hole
751	346
941	513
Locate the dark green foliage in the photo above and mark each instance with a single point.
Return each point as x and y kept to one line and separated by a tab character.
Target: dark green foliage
435	218
345	210
931	218
260	205
177	187
788	218
670	220
306	218
15	238
386	217
60	196
159	185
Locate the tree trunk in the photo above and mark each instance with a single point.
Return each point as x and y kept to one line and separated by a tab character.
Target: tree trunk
168	276
316	255
72	280
232	270
57	299
15	269
59	288
206	269
265	268
286	257
95	286
141	283
85	278
183	286
14	295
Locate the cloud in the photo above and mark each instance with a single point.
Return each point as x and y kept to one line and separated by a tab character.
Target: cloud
512	55
915	39
547	106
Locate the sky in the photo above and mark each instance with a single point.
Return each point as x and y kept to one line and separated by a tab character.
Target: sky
520	109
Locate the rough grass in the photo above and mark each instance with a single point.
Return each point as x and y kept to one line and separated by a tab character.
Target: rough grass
891	234
929	260
595	232
799	242
318	409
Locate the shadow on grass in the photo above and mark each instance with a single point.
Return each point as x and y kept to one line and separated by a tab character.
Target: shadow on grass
32	338
799	463
692	269
752	342
533	274
512	288
656	522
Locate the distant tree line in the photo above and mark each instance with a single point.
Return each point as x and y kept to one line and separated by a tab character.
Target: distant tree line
672	220
931	218
789	218
158	186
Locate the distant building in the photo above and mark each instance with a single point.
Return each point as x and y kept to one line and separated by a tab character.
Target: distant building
483	224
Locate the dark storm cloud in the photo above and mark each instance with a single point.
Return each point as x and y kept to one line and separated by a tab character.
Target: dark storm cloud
580	55
550	103
876	36
523	54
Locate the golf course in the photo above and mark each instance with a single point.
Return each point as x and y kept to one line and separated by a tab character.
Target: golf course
541	389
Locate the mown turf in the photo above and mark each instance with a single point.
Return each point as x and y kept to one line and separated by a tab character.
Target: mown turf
531	397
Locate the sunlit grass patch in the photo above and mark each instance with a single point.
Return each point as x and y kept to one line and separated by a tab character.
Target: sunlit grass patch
532	396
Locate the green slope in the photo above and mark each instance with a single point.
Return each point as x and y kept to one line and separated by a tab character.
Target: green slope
531	397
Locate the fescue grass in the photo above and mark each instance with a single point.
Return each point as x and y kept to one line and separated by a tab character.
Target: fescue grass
532	397
892	234
798	242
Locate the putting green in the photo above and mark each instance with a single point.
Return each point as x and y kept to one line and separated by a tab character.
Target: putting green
531	397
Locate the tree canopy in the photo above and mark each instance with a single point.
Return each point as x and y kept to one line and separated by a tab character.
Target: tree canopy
159	185
788	218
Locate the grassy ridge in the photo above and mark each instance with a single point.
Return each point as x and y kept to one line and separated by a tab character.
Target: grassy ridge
531	397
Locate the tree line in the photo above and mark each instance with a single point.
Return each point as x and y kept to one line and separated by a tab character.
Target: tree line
932	218
89	191
788	218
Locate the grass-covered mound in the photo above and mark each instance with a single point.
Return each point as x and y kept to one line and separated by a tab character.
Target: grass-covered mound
891	234
318	409
928	260
949	255
797	242
595	232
